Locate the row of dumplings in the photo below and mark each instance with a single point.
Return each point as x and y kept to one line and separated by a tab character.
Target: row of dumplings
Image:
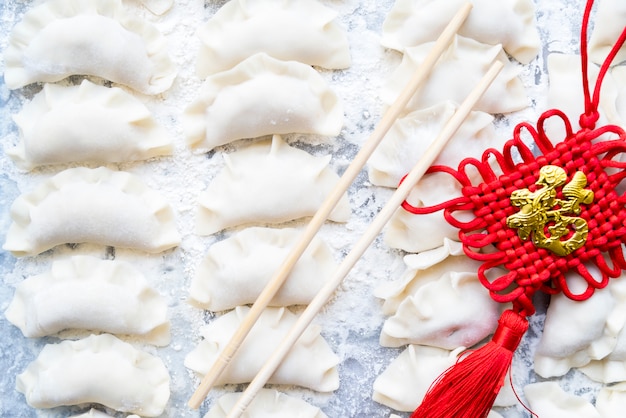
90	122
251	90
94	123
438	307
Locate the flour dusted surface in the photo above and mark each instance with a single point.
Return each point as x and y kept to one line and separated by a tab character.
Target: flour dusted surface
352	321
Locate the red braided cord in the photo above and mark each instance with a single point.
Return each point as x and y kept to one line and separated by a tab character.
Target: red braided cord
531	268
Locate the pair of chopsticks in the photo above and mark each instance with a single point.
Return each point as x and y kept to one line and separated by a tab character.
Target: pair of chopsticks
326	208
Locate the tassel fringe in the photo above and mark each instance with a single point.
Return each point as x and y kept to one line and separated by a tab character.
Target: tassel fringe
469	388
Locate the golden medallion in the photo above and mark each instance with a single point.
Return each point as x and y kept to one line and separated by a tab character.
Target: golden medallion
547	220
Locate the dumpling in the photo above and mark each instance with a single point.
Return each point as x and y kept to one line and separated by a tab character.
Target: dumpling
547	399
425	267
267	403
611	401
98	369
460	67
268	182
610	17
404	383
99	206
60	38
566	93
576	332
611	368
509	22
290	30
453	311
235	270
310	363
87	293
262	96
86	123
411	135
416	233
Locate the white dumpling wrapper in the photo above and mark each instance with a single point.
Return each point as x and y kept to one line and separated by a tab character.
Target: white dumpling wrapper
611	368
547	399
262	96
416	233
423	268
507	22
98	206
406	380
289	30
453	311
60	38
565	92
460	67
86	293
411	135
97	369
609	24
576	332
310	363
268	182
237	269
89	122
267	403
618	74
611	401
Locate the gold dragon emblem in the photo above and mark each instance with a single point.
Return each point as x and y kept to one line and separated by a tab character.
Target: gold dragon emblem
548	220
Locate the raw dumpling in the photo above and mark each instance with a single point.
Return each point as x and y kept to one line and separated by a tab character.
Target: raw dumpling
268	182
86	123
453	311
425	267
576	332
99	206
267	403
290	30
404	383
411	135
611	368
566	93
60	38
547	399
507	22
87	293
310	363
416	233
460	67
611	401
262	96
235	270
98	369
610	18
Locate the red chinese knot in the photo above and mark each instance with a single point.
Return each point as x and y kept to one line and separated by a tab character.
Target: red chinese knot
595	152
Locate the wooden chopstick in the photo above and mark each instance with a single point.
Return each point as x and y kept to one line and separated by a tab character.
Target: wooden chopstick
329	204
364	242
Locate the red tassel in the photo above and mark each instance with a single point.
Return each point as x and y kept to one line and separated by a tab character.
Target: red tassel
469	388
